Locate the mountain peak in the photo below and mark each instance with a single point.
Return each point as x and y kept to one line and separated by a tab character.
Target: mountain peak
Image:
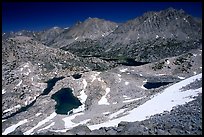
93	19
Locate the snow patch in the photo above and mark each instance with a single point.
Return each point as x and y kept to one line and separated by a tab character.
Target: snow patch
29	70
123	70
3	91
131	100
126	83
103	100
13	127
40	123
141	75
106	113
38	114
94	76
125	96
7	110
181	77
157	36
194	55
143	87
55	27
194	72
82	96
167	62
85	83
76	38
99	79
161	74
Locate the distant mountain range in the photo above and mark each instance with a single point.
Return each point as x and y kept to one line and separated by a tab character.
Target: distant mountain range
150	37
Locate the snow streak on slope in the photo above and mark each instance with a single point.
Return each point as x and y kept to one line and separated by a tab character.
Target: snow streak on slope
165	101
40	123
13	127
103	100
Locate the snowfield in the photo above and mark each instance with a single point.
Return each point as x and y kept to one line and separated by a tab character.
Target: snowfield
165	101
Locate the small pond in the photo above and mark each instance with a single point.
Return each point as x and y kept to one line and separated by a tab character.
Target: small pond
66	101
150	85
50	84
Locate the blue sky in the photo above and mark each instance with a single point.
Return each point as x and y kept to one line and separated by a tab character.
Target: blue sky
43	15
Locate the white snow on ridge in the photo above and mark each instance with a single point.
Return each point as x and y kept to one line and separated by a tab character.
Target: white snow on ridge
13	127
40	123
103	100
159	103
